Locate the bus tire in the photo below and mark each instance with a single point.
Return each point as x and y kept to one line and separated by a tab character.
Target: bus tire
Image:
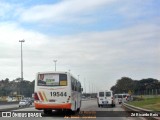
75	106
47	111
78	110
72	112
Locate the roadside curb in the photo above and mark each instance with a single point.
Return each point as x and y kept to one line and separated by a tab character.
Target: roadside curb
13	108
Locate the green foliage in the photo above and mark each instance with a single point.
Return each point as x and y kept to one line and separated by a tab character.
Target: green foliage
125	84
138	98
148	103
8	88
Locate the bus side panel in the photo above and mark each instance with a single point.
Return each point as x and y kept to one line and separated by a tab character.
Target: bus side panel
73	100
79	100
76	100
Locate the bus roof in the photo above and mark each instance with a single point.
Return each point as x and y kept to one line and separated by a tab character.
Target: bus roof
62	72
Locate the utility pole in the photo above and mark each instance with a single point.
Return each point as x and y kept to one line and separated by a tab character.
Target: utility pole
21	41
55	63
84	86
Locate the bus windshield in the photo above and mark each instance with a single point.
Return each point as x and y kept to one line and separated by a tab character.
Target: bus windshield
51	79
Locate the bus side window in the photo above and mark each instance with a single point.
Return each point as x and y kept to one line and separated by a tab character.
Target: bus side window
79	87
75	85
72	83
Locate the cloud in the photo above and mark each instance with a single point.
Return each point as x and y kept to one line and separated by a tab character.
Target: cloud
103	56
65	11
4	9
112	39
8	11
11	33
84	12
138	11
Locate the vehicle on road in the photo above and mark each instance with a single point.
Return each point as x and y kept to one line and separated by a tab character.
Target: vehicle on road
122	97
57	91
29	100
118	98
105	98
24	103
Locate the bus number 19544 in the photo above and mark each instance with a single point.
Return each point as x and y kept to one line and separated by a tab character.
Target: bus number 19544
57	94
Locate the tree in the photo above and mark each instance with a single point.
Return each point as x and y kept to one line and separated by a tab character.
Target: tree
123	85
126	84
7	88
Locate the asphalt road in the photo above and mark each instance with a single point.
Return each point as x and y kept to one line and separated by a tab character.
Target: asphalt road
8	106
88	107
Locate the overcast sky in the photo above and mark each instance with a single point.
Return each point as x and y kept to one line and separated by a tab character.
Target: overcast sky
100	40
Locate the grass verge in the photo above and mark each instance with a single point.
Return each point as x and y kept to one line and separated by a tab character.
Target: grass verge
147	103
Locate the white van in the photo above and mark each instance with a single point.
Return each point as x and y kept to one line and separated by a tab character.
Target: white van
122	97
118	98
105	98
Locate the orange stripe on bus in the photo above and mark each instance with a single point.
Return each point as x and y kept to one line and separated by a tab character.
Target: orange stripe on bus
41	96
44	96
52	106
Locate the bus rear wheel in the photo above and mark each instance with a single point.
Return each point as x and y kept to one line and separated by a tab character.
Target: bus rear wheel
78	110
47	111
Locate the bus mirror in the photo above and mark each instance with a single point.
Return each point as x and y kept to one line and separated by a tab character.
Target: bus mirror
82	89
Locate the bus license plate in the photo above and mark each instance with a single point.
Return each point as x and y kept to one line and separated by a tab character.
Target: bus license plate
52	100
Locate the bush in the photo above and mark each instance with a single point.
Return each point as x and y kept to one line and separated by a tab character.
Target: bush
138	98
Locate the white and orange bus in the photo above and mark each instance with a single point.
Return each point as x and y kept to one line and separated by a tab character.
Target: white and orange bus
57	91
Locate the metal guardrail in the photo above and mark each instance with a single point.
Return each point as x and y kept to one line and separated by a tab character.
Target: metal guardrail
141	110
